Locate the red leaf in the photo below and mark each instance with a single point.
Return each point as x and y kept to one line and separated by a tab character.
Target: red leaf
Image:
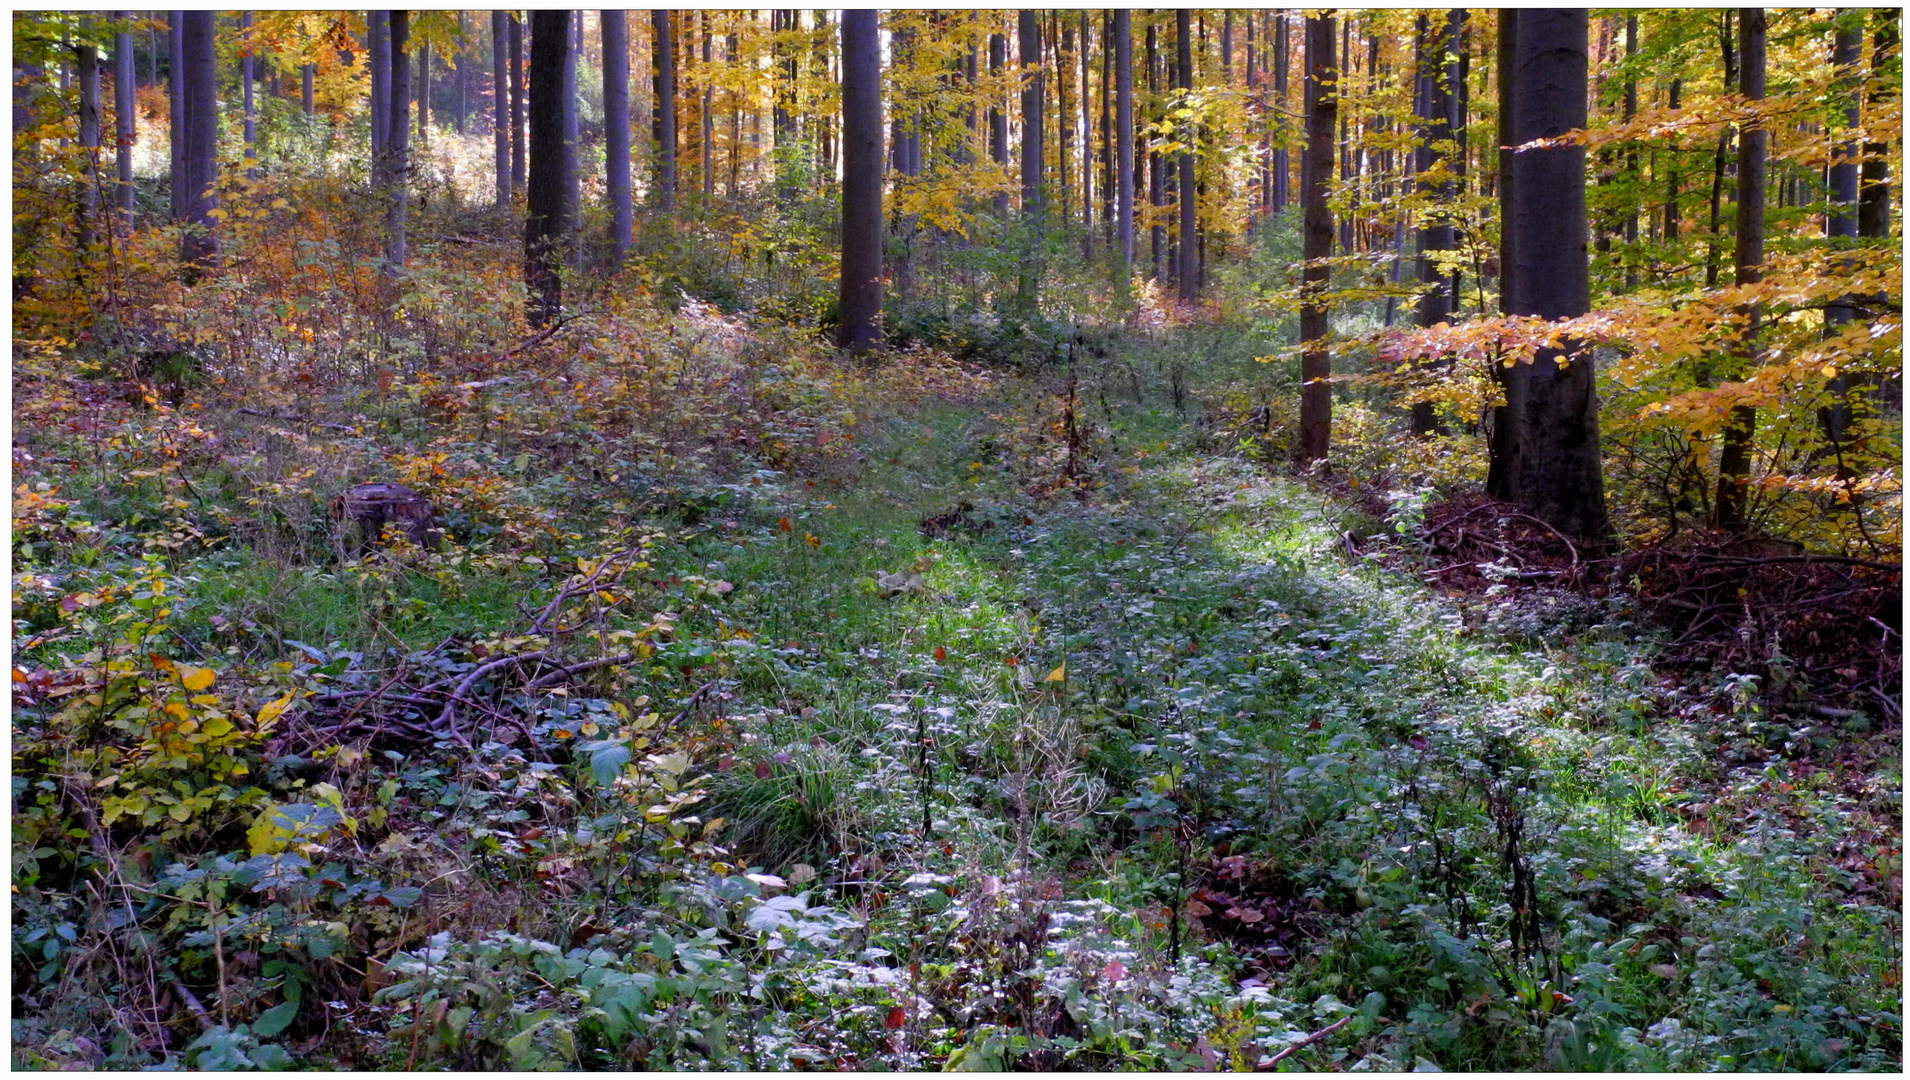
762	770
941	654
897	1017
1115	971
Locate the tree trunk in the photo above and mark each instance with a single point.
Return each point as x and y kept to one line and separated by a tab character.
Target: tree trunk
520	110
501	104
462	76
1631	161
664	52
1124	135
397	171
1087	143
86	65
1556	409
245	80
202	131
1033	88
177	201
998	117
1840	224
615	37
124	107
706	147
861	278
1734	459
378	54
307	100
1316	167
573	168
1671	170
547	220
1185	134
1156	180
1435	132
1282	163
1502	479
424	95
1873	189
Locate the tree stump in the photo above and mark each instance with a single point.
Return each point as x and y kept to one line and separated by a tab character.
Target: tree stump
363	512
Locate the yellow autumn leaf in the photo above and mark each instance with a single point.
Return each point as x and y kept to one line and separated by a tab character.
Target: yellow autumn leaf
1058	674
269	712
217	726
196	678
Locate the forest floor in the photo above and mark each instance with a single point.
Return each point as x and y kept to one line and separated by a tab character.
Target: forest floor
1003	738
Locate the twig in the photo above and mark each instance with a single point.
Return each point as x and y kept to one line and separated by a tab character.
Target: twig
559	675
1267	1065
296	419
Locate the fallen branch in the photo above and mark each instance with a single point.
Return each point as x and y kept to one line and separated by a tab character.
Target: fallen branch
293	418
1267	1065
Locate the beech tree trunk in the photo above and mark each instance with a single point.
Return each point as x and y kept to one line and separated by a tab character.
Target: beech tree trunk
1185	135
998	117
1556	467
1156	180
1124	135
616	69
1502	452
423	94
176	199
1282	163
462	77
307	100
1873	191
245	81
861	278
124	107
1840	224
86	65
1734	459
665	118
378	54
397	171
202	130
1435	100
1033	87
1316	169
501	104
520	135
547	219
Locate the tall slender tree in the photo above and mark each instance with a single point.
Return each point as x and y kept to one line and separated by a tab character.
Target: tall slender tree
177	200
520	136
665	120
1186	134
1840	223
616	71
123	108
378	54
397	169
998	117
307	98
1316	178
1032	124
1734	459
548	216
461	76
86	65
1433	162
501	104
200	42
245	81
1124	134
861	277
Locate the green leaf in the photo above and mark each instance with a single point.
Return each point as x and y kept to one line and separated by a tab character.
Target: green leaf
275	1019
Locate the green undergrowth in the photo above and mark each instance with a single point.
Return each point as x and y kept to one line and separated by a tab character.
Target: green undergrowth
1005	749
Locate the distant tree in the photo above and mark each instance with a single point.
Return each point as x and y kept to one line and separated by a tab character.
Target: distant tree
519	136
397	166
1124	134
665	117
1316	178
998	117
1185	134
378	55
861	277
124	107
1436	100
86	64
245	81
548	217
616	72
501	103
1734	459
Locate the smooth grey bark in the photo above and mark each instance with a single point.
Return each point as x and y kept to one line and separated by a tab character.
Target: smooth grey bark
461	76
1124	135
1502	450
1436	123
519	107
573	166
861	277
1189	272
1316	239
307	101
501	104
706	148
124	105
423	94
245	80
176	202
86	66
378	54
998	117
1087	143
1028	32
665	118
615	37
1282	162
197	32
1555	470
1734	458
1873	188
397	170
548	214
1840	224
